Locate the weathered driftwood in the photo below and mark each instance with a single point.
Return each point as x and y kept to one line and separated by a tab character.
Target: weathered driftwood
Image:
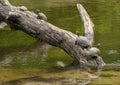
28	22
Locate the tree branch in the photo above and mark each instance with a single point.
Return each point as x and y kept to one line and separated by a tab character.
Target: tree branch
88	24
28	22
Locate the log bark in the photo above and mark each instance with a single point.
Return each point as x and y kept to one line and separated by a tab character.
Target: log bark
28	22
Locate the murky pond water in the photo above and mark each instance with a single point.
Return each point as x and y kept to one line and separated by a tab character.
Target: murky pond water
25	61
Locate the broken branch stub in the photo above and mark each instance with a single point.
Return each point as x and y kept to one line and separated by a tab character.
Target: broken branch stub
88	24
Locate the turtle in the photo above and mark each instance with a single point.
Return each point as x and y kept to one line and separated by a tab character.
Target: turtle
82	41
22	8
93	51
42	16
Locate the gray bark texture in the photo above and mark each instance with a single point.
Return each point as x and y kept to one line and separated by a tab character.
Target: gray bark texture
28	22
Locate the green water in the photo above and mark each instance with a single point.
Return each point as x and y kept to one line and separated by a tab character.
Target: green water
20	51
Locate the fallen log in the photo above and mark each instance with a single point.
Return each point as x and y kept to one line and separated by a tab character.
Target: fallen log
19	18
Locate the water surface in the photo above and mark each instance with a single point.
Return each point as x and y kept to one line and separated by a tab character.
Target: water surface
19	52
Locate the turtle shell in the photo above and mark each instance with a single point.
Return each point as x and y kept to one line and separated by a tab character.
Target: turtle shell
83	41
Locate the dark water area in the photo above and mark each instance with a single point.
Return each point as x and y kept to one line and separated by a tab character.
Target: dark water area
25	57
